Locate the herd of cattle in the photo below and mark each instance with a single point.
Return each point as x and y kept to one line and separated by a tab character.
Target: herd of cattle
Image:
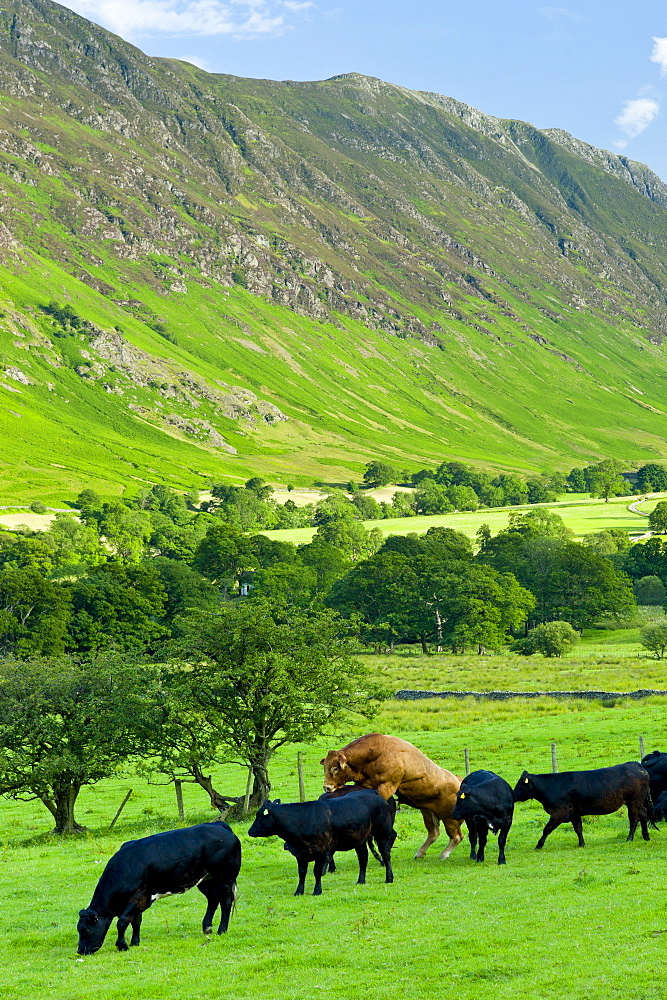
361	785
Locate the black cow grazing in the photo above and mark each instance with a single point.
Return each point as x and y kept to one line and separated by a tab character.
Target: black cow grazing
660	807
485	801
656	765
572	794
141	871
345	790
312	831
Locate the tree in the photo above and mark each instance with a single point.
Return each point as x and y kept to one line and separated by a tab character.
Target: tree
652	477
432	498
126	530
649	590
73	543
223	553
654	638
335	507
647	558
657	519
350	537
328	562
117	607
262	675
368	508
583	587
34	614
463	497
290	583
64	725
606	479
185	588
379	474
549	638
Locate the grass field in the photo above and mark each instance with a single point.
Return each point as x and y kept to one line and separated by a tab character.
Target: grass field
566	922
580	513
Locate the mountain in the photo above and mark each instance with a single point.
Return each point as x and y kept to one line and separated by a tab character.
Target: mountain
203	275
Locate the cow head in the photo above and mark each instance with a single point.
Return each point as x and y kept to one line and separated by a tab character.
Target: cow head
265	824
92	930
465	804
336	770
524	789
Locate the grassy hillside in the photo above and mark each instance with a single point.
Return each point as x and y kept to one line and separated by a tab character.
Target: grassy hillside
395	273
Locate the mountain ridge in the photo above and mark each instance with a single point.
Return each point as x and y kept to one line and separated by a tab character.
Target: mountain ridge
290	238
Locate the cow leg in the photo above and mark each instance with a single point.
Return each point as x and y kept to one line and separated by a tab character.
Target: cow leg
643	819
210	891
432	824
121	926
318	870
362	855
136	928
226	898
578	829
634	815
302	864
483	836
502	840
549	828
331	864
385	846
453	828
472	837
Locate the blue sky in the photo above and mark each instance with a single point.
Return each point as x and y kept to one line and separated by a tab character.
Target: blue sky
595	68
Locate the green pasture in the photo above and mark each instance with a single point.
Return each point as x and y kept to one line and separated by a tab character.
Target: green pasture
581	923
580	513
622	666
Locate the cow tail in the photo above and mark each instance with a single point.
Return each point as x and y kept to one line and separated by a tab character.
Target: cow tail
374	850
650	810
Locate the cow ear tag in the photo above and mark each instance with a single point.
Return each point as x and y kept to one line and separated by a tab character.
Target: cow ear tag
266	812
462	795
525	781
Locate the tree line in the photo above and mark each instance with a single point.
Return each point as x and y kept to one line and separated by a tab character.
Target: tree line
124	634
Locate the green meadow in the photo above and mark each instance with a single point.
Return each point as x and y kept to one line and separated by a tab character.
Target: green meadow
581	923
580	513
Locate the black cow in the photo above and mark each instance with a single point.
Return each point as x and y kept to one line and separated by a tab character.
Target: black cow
345	790
485	801
656	765
660	808
141	871
312	831
572	794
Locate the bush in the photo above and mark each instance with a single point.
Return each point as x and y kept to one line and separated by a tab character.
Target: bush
654	638
649	590
550	639
37	507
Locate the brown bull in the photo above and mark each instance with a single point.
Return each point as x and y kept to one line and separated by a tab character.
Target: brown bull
393	766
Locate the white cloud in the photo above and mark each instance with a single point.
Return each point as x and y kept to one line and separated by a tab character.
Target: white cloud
635	117
559	14
239	18
659	54
296	6
197	61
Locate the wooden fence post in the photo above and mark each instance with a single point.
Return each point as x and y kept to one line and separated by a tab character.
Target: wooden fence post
554	759
466	758
302	783
641	747
178	785
120	809
248	790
